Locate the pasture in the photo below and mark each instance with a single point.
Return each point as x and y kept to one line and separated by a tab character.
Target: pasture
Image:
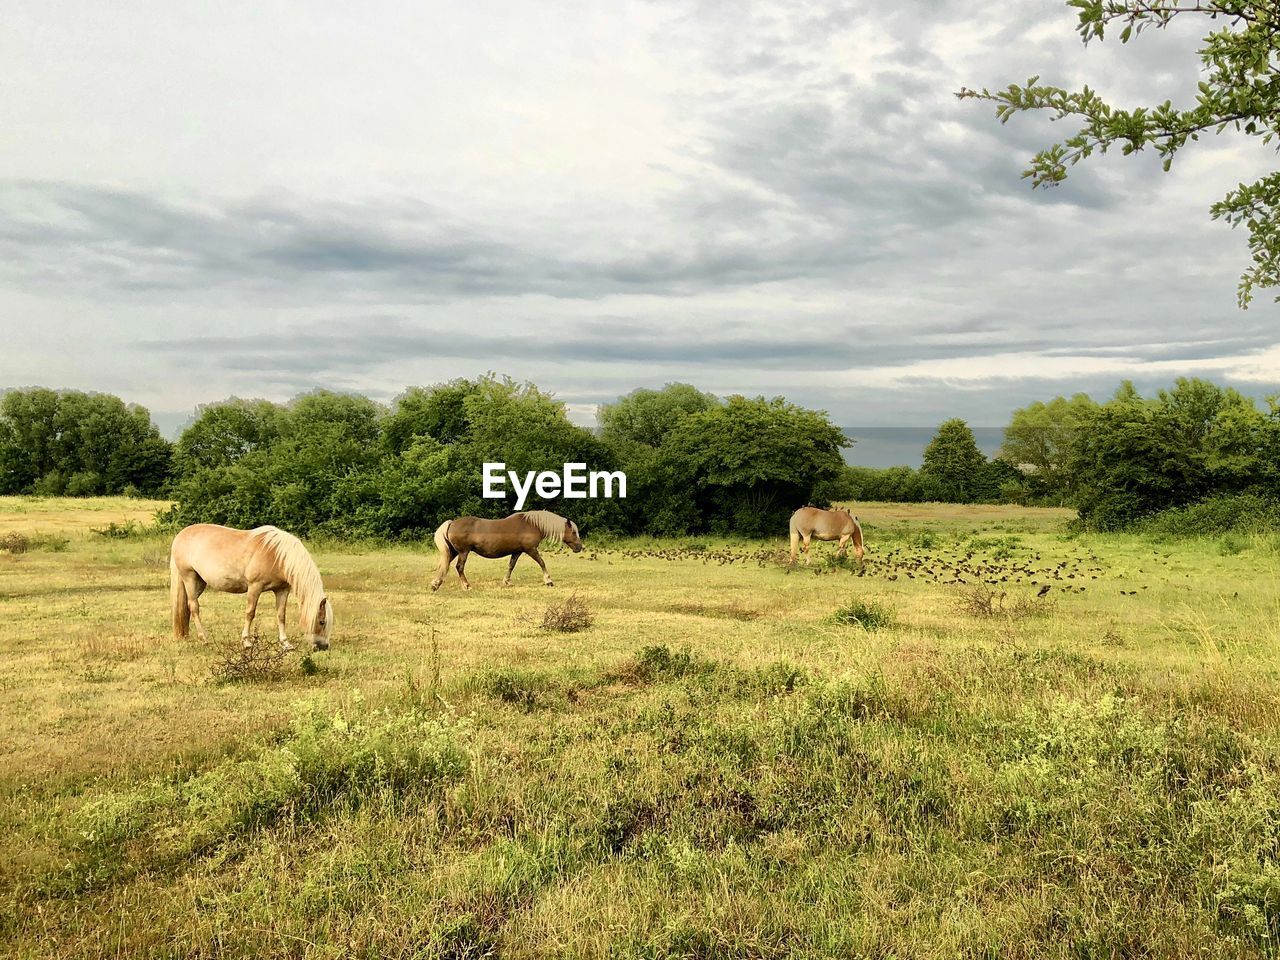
732	759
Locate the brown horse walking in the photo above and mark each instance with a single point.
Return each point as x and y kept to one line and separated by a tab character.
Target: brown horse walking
517	534
206	555
814	522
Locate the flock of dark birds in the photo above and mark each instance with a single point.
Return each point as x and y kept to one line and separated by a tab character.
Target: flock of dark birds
965	564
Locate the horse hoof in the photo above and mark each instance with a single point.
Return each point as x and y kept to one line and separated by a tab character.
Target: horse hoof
435	587
547	583
248	644
286	647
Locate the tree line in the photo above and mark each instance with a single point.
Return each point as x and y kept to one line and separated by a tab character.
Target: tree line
1119	462
348	466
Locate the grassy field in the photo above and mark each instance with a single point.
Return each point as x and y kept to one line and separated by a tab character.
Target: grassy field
732	760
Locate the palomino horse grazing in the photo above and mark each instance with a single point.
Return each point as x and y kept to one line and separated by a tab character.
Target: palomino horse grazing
517	534
814	522
247	561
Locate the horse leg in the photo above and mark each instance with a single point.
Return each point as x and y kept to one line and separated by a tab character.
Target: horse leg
795	545
247	636
282	607
806	550
446	559
546	577
462	575
195	586
510	568
844	543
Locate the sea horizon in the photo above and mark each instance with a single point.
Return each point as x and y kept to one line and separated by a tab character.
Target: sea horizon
904	446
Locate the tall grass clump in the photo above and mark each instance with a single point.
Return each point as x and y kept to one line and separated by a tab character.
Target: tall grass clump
867	614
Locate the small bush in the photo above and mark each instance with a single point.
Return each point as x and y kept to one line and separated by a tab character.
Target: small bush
158	559
984	601
520	688
863	613
121	531
14	542
236	663
1231	544
660	662
85	483
655	663
52	484
568	616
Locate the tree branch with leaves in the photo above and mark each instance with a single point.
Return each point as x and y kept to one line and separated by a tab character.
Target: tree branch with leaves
1240	91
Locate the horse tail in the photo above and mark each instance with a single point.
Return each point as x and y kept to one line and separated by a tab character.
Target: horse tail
178	600
857	539
447	553
442	540
795	537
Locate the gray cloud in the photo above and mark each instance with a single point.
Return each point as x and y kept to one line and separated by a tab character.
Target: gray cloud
772	198
357	345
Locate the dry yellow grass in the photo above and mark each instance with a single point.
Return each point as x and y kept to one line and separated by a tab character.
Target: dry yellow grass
72	517
100	702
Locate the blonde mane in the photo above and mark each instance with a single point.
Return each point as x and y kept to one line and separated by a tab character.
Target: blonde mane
299	569
551	524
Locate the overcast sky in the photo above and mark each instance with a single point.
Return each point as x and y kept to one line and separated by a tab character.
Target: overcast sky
261	198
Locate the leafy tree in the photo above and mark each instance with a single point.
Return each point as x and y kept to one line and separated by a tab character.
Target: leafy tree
405	495
748	463
57	442
1141	455
224	432
289	480
954	469
338	464
437	412
645	416
1041	439
892	484
527	429
1239	90
28	434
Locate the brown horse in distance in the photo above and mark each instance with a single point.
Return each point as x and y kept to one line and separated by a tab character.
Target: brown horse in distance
816	523
510	537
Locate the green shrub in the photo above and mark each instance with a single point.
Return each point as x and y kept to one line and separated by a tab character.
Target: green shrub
329	762
520	688
1230	513
84	483
659	663
866	614
129	530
